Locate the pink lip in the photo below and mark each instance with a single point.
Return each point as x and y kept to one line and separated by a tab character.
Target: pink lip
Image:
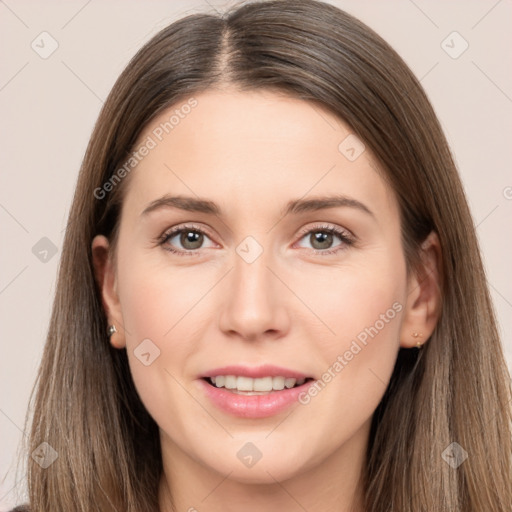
253	406
266	370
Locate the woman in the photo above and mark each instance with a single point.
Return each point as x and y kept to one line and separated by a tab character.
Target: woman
270	294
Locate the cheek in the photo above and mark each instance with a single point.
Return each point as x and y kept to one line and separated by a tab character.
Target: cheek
156	300
363	306
159	308
352	300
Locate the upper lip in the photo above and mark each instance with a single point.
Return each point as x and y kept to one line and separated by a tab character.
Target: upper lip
266	370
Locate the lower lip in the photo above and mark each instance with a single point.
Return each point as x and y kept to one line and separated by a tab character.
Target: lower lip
253	406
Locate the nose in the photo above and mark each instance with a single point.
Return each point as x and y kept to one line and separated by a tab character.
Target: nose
255	304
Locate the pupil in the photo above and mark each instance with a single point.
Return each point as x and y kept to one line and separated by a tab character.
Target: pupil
323	238
191	240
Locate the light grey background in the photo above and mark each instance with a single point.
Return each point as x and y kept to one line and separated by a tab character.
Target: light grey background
48	107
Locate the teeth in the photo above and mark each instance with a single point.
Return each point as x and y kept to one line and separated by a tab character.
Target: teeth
278	383
244	384
262	384
229	382
289	383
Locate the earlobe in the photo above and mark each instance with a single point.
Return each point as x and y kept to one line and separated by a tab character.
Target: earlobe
106	278
424	297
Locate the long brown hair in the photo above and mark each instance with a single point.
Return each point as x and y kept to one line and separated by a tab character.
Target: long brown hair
456	390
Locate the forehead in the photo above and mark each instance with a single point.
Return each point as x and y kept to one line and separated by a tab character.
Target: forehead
239	148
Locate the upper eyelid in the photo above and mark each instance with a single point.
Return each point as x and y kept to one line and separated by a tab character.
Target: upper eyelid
191	227
327	227
171	232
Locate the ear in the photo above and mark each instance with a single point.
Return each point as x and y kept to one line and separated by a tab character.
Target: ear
105	274
423	305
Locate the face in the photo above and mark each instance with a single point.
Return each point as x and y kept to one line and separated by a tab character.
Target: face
280	265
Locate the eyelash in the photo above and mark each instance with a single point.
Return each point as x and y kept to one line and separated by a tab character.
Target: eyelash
346	238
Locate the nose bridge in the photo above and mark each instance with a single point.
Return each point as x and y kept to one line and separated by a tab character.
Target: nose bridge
251	279
254	304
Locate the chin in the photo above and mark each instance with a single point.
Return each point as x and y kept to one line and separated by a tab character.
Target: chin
261	473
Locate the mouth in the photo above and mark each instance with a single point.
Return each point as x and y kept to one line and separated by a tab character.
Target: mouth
249	392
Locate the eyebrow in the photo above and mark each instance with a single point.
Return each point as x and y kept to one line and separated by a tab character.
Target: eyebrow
193	204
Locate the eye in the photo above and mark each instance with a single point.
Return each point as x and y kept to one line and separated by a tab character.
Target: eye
187	240
322	238
184	240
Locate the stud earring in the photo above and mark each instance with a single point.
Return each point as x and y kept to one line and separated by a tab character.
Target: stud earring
111	330
415	334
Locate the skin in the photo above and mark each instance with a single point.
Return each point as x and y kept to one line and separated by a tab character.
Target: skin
251	153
